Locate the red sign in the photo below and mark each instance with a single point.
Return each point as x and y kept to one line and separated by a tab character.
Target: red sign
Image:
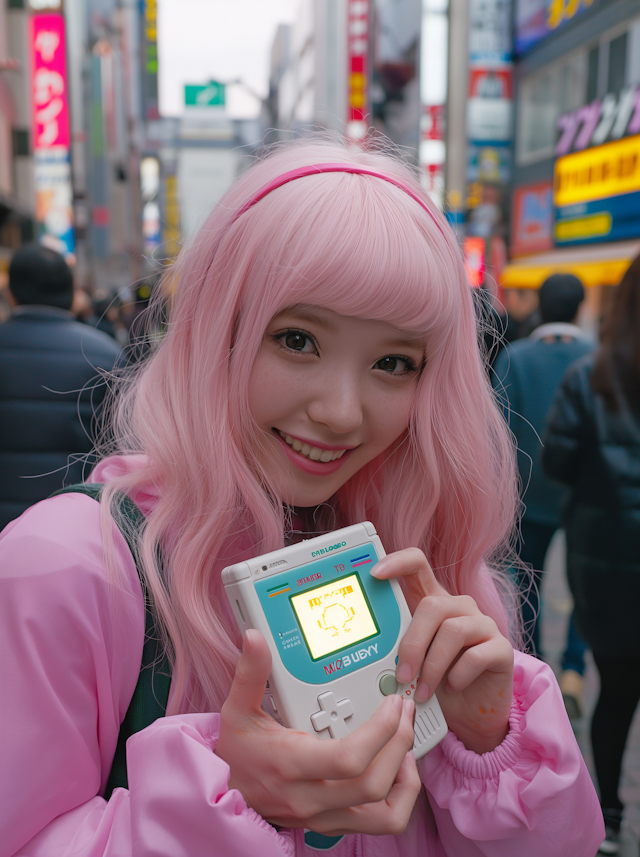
48	61
490	83
358	67
533	218
474	252
433	122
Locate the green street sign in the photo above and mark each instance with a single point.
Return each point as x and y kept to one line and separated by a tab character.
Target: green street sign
207	95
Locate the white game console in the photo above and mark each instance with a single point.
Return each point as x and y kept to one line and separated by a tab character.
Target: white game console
334	632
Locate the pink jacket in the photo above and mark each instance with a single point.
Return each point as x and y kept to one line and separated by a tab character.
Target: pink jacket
71	647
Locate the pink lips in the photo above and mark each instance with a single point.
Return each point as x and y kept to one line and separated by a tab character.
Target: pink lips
316	468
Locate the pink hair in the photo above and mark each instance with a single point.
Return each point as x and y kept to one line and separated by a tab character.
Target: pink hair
362	247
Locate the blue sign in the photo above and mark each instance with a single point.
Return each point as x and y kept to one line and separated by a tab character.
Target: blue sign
537	19
613	218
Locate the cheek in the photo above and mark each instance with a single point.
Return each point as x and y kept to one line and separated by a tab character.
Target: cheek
392	420
270	390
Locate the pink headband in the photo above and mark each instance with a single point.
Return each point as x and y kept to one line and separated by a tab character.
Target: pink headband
316	169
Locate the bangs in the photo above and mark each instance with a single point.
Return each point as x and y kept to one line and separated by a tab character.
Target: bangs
357	245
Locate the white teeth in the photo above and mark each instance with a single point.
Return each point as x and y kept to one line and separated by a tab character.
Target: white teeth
313	452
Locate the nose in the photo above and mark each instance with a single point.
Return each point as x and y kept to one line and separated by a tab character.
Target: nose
337	403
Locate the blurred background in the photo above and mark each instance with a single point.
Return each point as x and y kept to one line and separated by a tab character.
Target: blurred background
123	121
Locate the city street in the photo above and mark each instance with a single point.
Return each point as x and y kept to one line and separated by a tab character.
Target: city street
555	616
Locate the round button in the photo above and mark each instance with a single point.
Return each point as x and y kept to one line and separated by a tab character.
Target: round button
388	684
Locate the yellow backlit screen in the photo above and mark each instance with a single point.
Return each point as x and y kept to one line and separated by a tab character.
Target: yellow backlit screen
334	616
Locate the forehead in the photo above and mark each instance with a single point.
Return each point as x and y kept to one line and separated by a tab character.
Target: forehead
336	323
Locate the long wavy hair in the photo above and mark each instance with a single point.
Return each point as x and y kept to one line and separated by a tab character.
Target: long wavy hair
361	247
616	368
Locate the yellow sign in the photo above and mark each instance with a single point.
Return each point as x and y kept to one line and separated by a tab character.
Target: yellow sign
589	226
597	173
563	10
334	616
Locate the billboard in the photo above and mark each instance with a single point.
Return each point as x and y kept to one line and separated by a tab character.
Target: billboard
616	116
49	103
50	112
597	193
537	19
358	68
532	220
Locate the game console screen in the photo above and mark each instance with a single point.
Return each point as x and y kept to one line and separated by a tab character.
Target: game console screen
334	615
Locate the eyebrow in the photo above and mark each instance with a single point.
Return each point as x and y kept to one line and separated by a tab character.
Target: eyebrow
306	313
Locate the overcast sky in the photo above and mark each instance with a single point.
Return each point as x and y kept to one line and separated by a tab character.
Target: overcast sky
200	40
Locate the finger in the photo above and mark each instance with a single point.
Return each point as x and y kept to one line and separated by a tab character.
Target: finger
495	656
376	782
412	565
453	635
386	817
252	673
430	613
347	758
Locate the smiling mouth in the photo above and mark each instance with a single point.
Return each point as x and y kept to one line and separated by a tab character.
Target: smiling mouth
313	453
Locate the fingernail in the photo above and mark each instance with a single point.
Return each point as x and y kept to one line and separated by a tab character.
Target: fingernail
409	706
246	643
404	673
422	693
375	571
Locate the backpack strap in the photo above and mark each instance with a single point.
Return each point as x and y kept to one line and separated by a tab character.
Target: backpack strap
149	700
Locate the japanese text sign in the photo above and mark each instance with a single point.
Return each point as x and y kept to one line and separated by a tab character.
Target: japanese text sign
358	71
49	93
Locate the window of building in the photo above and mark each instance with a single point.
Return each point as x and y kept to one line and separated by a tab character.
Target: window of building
617	63
544	96
592	73
20	141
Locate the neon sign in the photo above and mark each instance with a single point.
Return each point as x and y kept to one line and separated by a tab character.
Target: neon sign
358	68
49	101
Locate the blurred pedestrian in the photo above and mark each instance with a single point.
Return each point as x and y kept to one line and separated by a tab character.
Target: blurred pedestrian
527	375
522	312
49	364
107	317
593	446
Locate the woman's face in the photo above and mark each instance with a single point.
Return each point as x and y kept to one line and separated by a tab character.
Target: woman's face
329	393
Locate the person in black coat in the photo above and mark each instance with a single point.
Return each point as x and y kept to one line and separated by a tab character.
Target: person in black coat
592	444
50	383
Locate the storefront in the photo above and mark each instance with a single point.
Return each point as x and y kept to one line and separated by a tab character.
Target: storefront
575	204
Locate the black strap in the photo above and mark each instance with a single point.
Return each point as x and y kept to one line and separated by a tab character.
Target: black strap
149	700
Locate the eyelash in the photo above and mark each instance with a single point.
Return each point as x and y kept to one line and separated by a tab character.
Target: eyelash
410	365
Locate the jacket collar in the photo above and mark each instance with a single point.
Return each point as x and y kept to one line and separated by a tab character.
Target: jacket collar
41	311
557	328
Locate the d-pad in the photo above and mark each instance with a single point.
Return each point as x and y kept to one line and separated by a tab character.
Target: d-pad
332	715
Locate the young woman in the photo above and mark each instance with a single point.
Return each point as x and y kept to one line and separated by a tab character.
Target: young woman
320	367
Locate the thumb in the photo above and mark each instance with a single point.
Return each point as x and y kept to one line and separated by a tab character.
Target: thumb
252	672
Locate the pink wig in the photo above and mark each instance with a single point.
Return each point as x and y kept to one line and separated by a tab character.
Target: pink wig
362	247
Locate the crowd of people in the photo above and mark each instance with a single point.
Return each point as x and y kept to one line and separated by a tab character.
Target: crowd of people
325	303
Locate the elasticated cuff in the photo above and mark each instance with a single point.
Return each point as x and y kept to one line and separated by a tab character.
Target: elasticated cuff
488	765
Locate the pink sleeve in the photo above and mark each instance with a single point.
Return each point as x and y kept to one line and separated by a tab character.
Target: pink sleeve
71	644
532	795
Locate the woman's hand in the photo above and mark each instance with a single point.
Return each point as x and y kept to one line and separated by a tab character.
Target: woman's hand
456	650
366	782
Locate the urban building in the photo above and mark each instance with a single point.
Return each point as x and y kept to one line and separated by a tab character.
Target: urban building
576	177
309	68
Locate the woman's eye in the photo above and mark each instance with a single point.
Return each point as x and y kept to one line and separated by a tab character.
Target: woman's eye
396	365
297	341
